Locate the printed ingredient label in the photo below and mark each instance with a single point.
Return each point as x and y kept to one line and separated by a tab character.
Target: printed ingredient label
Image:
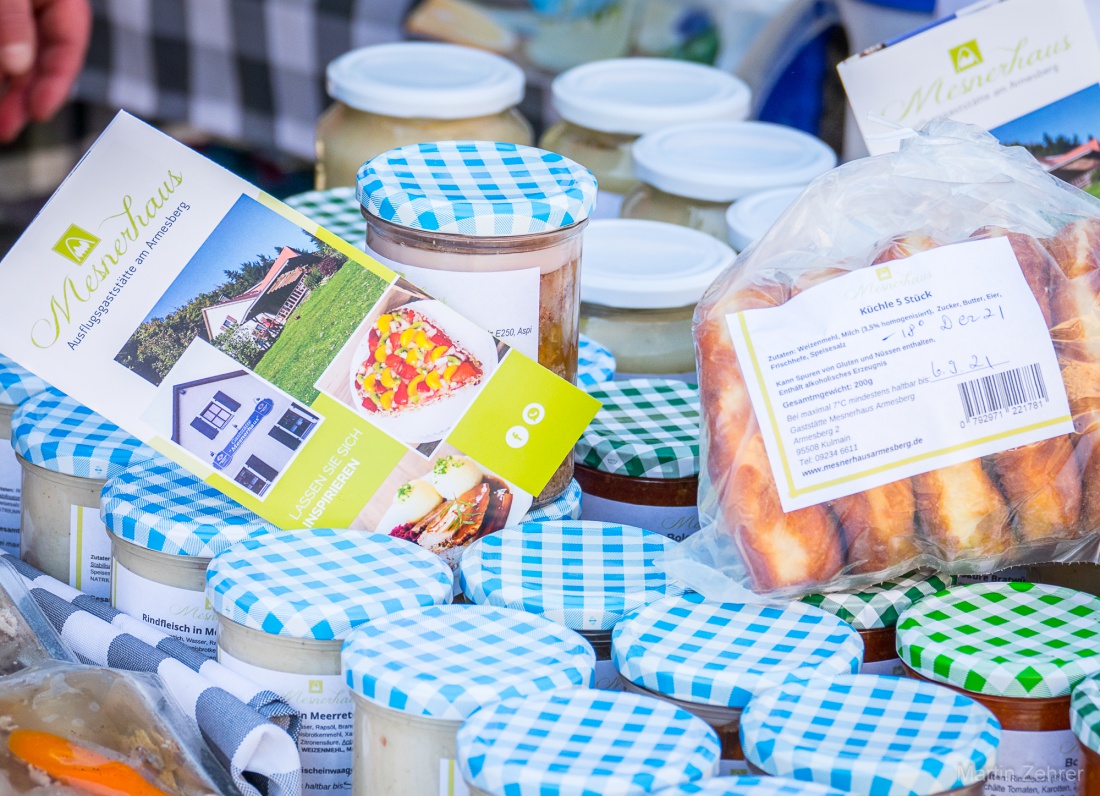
89	553
181	613
451	782
325	740
11	480
675	522
895	370
1043	763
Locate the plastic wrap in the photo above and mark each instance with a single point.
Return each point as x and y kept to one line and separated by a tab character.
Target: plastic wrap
1041	502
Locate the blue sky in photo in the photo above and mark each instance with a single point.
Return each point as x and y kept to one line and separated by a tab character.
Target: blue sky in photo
1078	114
247	230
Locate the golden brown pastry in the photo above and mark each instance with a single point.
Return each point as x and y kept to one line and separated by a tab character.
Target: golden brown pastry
878	526
962	513
902	246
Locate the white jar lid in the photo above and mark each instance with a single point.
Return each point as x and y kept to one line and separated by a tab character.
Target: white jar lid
751	217
723	161
639	95
636	264
423	80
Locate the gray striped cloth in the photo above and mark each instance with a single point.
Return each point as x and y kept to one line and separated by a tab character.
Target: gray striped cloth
251	731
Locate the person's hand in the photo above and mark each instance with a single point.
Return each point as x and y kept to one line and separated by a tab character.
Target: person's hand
42	48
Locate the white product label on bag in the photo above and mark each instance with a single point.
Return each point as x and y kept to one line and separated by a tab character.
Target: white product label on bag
89	553
180	613
899	369
451	782
11	480
675	522
1042	763
504	303
325	740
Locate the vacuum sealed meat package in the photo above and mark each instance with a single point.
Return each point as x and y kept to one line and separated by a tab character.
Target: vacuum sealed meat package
903	372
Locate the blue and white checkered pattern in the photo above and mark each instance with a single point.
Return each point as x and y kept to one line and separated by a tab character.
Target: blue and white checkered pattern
724	654
17	384
162	507
584	742
319	584
595	363
55	432
476	188
750	786
871	734
448	661
585	575
566	507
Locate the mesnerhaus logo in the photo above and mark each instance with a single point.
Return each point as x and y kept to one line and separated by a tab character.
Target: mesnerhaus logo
76	244
966	56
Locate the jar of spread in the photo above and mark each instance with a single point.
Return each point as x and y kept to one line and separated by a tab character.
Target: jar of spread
690	174
638	460
165	526
67	453
874	614
872	734
711	658
640	284
17	384
391	95
750	786
285	602
566	507
584	575
605	106
748	219
595	362
583	742
471	220
416	675
1084	719
1019	649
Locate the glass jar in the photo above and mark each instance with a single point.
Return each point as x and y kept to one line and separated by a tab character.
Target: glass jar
690	174
750	218
283	615
639	287
417	675
17	384
1085	720
507	227
571	32
606	105
391	95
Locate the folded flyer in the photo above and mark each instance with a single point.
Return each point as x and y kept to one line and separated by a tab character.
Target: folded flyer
282	365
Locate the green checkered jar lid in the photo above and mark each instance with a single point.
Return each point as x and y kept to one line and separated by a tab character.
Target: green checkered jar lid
647	428
881	605
1004	639
1084	713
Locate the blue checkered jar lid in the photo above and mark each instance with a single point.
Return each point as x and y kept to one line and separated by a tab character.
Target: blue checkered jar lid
871	734
566	507
162	507
724	653
55	432
751	786
476	188
584	742
448	661
17	384
319	584
585	575
595	363
1084	713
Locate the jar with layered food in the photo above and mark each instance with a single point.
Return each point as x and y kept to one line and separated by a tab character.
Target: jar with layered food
605	106
391	95
1084	719
67	453
711	658
874	614
416	675
285	602
640	284
583	575
638	460
882	735
493	230
1018	649
690	174
17	384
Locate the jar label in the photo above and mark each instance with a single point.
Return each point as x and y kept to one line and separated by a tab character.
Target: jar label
325	740
89	553
11	480
733	768
1039	763
504	303
890	666
180	613
451	782
608	677
675	522
1009	575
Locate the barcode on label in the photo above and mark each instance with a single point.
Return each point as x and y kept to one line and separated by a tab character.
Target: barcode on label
1002	391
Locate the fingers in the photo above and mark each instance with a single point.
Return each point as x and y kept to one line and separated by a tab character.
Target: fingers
13	108
17	37
64	27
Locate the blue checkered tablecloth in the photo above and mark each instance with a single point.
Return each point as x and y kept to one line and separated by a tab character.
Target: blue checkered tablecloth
17	384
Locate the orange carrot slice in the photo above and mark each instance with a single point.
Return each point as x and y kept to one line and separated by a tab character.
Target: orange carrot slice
79	767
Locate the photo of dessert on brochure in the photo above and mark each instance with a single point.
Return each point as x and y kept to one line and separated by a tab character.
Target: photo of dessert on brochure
412	367
443	503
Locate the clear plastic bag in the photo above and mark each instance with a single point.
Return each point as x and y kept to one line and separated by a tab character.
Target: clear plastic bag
1040	502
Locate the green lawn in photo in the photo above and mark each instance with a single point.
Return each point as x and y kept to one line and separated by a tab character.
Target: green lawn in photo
318	329
1094	189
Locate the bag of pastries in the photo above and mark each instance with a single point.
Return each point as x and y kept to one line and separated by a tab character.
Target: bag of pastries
940	428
